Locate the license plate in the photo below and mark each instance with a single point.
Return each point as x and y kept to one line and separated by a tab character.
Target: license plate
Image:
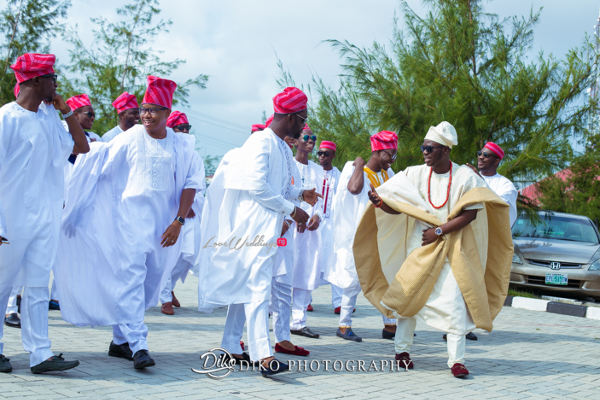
557	279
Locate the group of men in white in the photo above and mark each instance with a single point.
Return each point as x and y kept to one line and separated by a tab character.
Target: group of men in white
120	218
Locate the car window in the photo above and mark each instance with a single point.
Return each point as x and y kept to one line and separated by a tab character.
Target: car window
555	227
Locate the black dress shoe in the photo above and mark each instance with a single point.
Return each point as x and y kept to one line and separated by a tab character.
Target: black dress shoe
142	359
5	364
388	335
13	320
226	360
304	332
275	367
471	336
120	350
55	363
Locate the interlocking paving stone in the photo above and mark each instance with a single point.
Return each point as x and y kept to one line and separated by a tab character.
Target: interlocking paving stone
529	354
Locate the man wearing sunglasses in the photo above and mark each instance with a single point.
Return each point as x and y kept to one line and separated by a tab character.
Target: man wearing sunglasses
444	254
248	204
129	115
349	203
33	148
190	233
126	204
307	237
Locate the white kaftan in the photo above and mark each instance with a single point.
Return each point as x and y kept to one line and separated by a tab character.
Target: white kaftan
110	135
327	185
121	198
505	189
340	269
242	219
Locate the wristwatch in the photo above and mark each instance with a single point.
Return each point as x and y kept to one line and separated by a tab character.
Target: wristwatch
180	220
438	231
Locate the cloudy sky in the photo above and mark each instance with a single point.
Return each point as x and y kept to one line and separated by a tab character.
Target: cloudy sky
236	43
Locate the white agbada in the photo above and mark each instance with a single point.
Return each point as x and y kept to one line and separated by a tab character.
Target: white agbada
245	205
327	185
505	189
33	150
340	269
190	239
445	309
307	245
121	198
110	135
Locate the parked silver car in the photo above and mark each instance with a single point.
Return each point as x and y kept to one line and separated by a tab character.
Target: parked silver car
560	253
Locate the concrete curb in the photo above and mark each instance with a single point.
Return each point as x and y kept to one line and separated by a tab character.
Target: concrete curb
552	307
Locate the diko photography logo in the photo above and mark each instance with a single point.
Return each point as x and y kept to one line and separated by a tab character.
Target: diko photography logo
238	244
218	363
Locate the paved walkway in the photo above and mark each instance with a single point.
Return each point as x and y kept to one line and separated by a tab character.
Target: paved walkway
529	355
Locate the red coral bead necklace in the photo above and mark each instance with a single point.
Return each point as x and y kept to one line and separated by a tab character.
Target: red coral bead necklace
429	188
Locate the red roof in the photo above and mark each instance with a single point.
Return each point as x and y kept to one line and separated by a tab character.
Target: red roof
533	192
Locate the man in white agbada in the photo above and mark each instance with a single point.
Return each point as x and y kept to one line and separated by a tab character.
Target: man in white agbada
126	204
33	149
190	233
306	274
349	203
327	184
437	189
129	115
243	218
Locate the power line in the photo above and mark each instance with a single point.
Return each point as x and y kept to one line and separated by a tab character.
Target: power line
217	122
220	120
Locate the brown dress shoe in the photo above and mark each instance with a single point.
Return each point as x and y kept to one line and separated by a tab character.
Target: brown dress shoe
404	361
167	309
175	301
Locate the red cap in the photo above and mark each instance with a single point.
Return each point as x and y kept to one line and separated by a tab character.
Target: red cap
495	148
81	100
160	92
124	102
258	127
30	65
327	145
177	118
16	90
306	128
384	140
269	120
290	101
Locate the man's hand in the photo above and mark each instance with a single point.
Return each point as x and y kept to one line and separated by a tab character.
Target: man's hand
359	162
314	222
429	236
191	214
374	197
300	216
474	169
310	196
169	238
60	104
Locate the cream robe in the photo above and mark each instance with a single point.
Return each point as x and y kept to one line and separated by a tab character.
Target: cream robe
245	202
122	196
340	269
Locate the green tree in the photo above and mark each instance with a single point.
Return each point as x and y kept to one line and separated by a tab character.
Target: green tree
462	65
26	26
120	58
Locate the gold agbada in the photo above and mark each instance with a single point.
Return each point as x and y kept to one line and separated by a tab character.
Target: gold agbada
480	256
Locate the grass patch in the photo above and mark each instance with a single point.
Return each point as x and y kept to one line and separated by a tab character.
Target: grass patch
521	293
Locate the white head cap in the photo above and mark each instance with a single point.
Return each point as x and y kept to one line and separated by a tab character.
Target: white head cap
444	134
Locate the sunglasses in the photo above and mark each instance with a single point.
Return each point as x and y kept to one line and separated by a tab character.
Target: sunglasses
303	119
485	154
429	149
311	137
54	77
152	111
183	127
393	157
90	114
323	153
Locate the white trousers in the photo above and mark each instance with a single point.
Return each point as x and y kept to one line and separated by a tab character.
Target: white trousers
349	296
53	291
134	334
257	316
300	301
336	296
404	338
281	306
165	294
34	322
12	307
